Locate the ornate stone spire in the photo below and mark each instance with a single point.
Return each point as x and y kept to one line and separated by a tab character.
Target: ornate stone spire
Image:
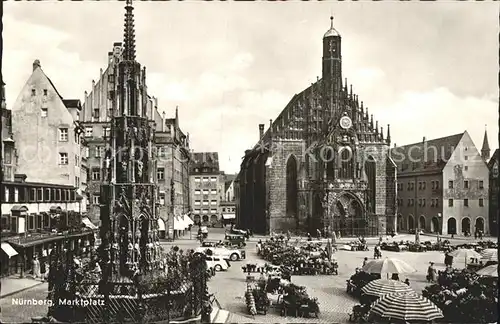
485	150
129	36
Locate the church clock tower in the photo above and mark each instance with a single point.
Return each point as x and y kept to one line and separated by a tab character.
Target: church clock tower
332	58
332	71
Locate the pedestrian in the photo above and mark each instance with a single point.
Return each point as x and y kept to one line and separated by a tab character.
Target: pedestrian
481	235
431	272
36	267
46	272
318	232
475	235
365	261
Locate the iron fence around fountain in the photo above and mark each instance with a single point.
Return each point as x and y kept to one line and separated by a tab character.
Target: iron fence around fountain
129	302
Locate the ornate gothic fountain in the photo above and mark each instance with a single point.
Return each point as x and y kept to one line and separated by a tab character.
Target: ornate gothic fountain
128	278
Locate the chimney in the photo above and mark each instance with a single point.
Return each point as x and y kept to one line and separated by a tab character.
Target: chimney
110	57
423	140
261	131
18	177
163	121
36	64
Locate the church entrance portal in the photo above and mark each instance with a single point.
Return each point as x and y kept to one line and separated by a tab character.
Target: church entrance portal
347	217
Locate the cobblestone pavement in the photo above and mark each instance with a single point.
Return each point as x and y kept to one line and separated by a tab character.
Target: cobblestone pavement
13	313
335	304
229	287
13	284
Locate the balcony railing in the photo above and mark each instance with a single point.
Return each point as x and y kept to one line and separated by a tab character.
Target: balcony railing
21	239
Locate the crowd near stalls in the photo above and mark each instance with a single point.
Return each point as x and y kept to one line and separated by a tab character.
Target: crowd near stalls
300	257
273	287
402	246
451	295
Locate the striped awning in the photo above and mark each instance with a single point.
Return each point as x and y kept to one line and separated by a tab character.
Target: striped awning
8	249
188	220
408	306
178	224
161	224
381	287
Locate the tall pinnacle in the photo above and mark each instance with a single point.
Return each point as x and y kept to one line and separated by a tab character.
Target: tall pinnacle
129	36
485	151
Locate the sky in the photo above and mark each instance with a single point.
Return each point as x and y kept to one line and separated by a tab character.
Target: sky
427	69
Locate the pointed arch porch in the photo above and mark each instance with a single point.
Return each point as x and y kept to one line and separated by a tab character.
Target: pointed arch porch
347	214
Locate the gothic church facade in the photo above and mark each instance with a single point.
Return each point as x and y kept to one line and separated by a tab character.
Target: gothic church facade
322	164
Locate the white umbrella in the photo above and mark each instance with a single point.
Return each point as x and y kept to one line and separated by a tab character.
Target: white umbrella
465	254
408	306
489	271
489	255
381	287
388	265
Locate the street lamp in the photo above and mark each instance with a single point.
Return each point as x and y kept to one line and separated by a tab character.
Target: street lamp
439	217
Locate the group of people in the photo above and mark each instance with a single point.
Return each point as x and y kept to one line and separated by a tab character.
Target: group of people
40	270
377	252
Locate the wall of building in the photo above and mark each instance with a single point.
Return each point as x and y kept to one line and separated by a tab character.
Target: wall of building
229	194
9	155
494	194
206	196
419	195
38	114
276	183
466	164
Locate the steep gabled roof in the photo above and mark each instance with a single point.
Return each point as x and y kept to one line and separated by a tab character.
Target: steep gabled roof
52	84
493	159
204	160
430	155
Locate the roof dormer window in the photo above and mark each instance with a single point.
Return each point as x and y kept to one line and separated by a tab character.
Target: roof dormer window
33	92
45	92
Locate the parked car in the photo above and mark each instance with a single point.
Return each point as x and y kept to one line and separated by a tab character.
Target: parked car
390	247
245	233
234	239
211	244
217	262
226	252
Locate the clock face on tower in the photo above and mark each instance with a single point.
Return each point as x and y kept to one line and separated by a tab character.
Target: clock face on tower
345	122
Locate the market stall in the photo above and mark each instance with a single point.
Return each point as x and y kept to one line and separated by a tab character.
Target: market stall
303	258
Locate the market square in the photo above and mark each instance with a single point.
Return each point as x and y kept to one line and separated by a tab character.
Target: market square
134	195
